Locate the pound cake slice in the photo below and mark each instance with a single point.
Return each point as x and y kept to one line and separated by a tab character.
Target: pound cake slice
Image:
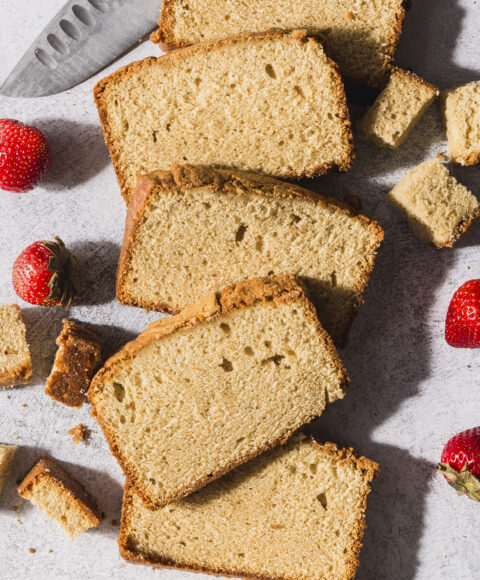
296	512
438	209
63	499
271	102
361	35
193	230
397	110
200	393
15	361
7	453
77	358
461	111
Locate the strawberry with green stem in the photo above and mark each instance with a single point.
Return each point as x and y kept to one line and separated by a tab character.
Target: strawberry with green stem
44	274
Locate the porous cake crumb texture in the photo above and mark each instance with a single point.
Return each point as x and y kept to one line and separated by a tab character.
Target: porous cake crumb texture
272	103
295	512
15	361
397	109
195	230
202	392
461	109
438	208
361	34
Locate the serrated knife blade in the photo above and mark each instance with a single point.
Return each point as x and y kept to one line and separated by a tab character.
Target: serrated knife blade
82	39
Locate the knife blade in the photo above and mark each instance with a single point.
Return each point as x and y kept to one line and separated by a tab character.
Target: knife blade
82	39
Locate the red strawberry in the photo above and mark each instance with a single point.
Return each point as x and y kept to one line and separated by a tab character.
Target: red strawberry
44	274
24	156
462	327
461	463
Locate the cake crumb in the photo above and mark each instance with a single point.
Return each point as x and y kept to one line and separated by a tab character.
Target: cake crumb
441	156
80	433
32	550
19	521
15	508
50	551
24	405
114	523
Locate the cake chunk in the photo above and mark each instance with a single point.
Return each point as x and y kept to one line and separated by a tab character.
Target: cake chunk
15	361
297	511
7	453
242	225
362	36
397	110
63	499
77	358
272	102
197	394
437	208
461	111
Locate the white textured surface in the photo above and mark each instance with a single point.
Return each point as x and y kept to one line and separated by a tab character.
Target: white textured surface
409	390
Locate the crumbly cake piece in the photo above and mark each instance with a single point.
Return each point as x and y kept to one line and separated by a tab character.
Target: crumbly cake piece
200	393
270	102
15	361
361	35
437	208
397	109
77	358
79	433
7	453
461	112
241	225
63	499
296	512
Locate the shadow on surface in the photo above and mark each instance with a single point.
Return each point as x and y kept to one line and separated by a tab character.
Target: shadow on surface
387	358
78	152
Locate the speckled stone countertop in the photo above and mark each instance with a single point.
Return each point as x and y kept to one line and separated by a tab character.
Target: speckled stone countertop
409	391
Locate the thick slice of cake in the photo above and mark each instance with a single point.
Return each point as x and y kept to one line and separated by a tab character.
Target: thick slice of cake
461	110
7	453
200	393
193	230
54	491
270	102
296	512
362	35
437	208
15	362
77	358
397	110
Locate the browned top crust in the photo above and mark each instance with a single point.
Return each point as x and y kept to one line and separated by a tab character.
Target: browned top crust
369	470
272	291
47	467
167	41
75	363
415	79
223	181
300	36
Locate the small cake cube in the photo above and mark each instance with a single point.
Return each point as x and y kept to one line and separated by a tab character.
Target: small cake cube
7	453
15	361
461	112
397	110
437	208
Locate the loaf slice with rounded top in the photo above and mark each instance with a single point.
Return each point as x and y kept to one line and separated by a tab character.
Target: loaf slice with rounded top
193	230
198	394
15	361
461	112
61	497
438	209
362	35
397	109
270	102
296	512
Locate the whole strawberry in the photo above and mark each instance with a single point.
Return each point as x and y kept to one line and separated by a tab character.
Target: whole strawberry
44	274
462	326
460	463
24	156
